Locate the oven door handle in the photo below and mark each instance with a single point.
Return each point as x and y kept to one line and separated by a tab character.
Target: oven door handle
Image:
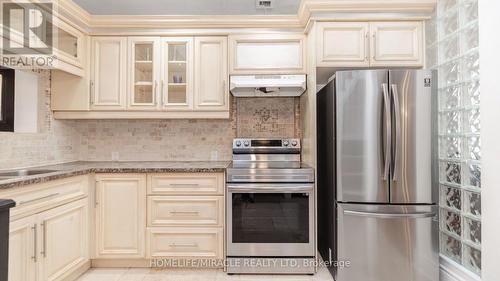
268	188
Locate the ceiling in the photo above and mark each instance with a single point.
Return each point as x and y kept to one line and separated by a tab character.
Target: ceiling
186	7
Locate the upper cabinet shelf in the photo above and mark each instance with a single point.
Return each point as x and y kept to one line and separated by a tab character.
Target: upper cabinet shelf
369	44
267	54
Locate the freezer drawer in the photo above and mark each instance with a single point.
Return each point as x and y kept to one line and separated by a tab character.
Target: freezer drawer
388	243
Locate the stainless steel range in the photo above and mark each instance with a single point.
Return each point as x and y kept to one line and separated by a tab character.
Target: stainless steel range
270	208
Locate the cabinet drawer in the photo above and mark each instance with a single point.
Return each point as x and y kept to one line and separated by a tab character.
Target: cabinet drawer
175	210
39	197
186	184
185	242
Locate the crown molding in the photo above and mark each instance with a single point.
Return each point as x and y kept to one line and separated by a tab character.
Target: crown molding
308	11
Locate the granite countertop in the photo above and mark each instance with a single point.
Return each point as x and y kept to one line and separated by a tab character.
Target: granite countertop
83	167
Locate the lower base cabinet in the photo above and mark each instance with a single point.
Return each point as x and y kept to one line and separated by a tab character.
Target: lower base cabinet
50	245
172	242
120	205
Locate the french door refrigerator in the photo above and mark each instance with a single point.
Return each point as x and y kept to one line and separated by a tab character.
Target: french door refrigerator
377	192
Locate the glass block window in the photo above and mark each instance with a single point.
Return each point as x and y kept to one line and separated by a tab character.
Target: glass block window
452	49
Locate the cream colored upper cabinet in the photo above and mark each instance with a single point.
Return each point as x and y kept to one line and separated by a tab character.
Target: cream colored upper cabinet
396	44
68	47
143	72
342	44
177	78
23	255
267	53
121	215
108	72
211	87
64	237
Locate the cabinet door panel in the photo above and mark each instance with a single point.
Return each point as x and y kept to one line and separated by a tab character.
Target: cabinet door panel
22	251
396	44
144	71
185	210
121	216
185	242
211	91
109	63
342	44
177	76
64	238
267	54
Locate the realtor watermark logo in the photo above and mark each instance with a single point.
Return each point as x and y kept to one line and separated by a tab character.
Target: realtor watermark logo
27	34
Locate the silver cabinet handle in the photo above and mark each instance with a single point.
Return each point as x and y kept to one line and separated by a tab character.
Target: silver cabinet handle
34	228
397	113
388	133
43	252
92	92
95	194
367	46
184	245
374	44
195	185
161	93
155	92
38	199
185	212
391	215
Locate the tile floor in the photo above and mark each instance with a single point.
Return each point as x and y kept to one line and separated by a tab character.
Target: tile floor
146	274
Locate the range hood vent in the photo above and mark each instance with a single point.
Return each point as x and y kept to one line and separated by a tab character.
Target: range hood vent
267	85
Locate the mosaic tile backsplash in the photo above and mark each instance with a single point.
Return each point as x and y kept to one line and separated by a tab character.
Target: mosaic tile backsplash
153	140
56	141
452	48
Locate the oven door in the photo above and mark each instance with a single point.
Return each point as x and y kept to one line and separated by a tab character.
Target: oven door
270	220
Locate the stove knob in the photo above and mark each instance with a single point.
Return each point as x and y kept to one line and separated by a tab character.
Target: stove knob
294	143
238	143
246	143
286	143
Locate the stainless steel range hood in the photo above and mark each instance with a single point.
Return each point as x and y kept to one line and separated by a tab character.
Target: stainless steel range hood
267	85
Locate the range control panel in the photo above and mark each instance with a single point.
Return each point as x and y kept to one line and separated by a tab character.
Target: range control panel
273	144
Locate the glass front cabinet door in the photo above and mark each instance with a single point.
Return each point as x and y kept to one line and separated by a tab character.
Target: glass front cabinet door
144	72
177	73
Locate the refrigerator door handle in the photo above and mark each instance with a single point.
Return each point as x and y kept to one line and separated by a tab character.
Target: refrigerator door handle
388	133
397	114
391	215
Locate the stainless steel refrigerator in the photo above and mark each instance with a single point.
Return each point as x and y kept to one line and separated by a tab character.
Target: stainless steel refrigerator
377	178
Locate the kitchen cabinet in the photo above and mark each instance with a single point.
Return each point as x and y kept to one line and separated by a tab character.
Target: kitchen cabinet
267	54
396	44
50	245
177	78
120	215
148	78
211	87
108	73
143	72
68	48
369	44
64	241
23	255
184	242
343	43
185	217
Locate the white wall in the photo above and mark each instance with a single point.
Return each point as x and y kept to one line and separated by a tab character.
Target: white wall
26	102
489	51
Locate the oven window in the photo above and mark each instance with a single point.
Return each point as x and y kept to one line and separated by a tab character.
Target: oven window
270	218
